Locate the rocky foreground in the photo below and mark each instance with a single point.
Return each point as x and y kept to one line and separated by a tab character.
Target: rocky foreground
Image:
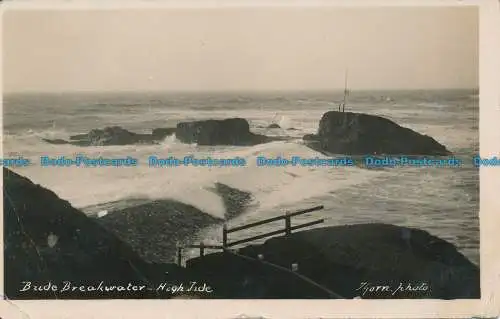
51	247
154	229
348	261
49	244
362	134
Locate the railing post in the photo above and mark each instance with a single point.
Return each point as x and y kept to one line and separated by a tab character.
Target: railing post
224	235
179	254
288	224
295	267
202	249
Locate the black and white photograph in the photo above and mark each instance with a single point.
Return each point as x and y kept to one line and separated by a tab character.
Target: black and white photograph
241	153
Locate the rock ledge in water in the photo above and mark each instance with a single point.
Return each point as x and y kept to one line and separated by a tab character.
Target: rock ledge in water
114	135
274	125
362	134
232	131
47	240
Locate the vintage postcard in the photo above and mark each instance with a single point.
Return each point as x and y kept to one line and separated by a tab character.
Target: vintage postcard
256	156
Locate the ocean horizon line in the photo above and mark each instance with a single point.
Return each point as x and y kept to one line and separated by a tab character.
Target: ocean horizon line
231	91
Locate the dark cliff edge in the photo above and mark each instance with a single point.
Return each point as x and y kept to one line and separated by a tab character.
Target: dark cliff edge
349	261
46	240
363	134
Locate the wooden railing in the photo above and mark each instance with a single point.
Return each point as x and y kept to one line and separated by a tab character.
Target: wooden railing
287	230
287	217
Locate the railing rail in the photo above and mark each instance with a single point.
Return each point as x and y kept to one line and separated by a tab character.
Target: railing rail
273	219
288	226
287	230
225	231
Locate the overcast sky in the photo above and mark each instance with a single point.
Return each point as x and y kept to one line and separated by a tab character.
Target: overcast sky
241	49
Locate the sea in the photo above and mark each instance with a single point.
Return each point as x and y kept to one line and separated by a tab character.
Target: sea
442	201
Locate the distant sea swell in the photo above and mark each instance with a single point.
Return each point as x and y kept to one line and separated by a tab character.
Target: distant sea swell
442	201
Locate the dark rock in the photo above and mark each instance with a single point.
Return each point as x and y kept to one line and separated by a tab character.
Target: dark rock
311	137
78	137
362	134
314	142
113	135
233	131
55	141
161	133
47	240
234	277
341	259
274	125
154	228
235	201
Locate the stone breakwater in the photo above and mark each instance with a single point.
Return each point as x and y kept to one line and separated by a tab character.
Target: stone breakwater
230	131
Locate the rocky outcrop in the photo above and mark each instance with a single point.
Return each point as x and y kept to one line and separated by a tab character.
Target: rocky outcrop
113	135
232	131
57	141
310	137
237	277
49	243
154	228
362	134
347	261
274	125
236	201
161	133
